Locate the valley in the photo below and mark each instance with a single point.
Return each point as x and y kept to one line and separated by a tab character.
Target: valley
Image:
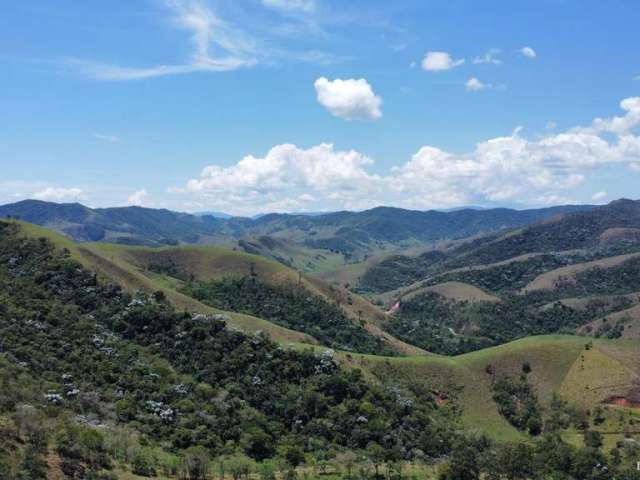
422	346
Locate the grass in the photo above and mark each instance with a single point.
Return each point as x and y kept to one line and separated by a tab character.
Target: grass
548	280
556	362
130	267
560	363
111	262
456	291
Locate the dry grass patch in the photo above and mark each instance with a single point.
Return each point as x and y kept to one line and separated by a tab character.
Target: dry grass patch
549	280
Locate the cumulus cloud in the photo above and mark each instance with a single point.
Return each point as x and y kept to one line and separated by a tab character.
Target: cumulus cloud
217	47
509	169
621	125
291	5
58	194
440	61
349	99
475	85
528	52
137	197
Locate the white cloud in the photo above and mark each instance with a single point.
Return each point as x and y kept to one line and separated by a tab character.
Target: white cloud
510	169
440	61
106	138
475	85
528	52
349	99
488	57
551	125
621	125
291	5
137	197
58	194
217	46
599	196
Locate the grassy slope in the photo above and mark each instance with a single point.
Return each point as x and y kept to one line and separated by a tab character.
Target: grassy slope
107	261
630	317
391	295
207	262
129	266
456	291
557	366
560	363
548	280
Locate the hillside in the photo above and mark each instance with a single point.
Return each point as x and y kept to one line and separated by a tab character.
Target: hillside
565	365
112	369
176	270
93	377
551	243
350	235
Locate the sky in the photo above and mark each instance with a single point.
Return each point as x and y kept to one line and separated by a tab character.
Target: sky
254	106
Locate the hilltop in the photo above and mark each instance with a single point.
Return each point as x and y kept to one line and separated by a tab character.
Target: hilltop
351	235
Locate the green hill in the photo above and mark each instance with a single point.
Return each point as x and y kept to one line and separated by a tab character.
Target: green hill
97	380
169	269
349	236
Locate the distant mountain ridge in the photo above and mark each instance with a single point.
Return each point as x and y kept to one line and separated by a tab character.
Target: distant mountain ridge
353	233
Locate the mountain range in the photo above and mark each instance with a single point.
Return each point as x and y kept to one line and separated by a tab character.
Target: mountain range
354	234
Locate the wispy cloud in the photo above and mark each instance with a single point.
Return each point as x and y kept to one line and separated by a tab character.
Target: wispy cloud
599	196
217	47
489	57
475	85
106	138
291	5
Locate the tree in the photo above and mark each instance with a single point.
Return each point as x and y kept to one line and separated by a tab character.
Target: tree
292	454
462	466
196	461
376	455
593	439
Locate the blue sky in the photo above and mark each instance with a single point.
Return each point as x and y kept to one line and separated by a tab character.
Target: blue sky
249	106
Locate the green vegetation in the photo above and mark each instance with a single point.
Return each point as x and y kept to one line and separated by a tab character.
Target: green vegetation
98	382
619	280
89	354
438	325
290	306
400	270
347	235
518	403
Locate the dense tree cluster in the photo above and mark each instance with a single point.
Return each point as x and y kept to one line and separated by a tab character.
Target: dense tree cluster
517	402
291	306
88	354
434	323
